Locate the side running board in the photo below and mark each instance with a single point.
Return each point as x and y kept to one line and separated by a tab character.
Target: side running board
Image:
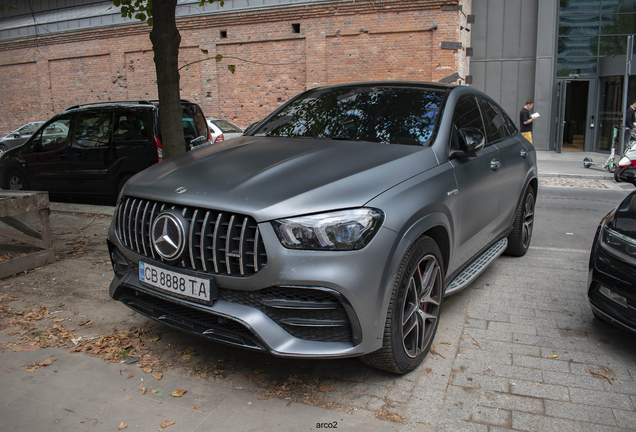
471	272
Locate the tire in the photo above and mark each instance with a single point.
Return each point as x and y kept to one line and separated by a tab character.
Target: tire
521	235
3	148
616	173
612	167
414	310
17	182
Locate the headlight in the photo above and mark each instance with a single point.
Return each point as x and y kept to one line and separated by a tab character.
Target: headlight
340	230
619	245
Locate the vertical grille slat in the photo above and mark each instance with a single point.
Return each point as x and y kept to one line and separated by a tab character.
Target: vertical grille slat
241	243
193	223
136	230
124	223
130	223
256	239
202	247
143	228
227	245
215	239
150	221
228	238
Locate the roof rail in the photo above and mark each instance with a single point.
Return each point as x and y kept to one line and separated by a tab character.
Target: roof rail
182	100
140	102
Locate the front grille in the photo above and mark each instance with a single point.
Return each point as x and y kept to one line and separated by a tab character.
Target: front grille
220	243
306	313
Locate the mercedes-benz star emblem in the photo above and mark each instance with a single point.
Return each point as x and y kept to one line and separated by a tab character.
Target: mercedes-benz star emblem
168	236
180	190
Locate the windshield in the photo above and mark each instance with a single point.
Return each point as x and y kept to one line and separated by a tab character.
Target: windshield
393	115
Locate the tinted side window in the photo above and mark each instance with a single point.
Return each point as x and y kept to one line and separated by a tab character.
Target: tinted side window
466	114
93	129
132	127
496	124
54	135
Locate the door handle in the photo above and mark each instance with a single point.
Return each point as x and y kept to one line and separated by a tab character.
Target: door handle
524	153
495	164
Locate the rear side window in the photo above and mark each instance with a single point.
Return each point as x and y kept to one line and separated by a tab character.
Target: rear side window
496	123
133	127
93	129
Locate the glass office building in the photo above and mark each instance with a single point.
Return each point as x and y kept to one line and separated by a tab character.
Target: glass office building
569	56
591	50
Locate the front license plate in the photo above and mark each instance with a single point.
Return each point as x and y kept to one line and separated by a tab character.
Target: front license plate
175	282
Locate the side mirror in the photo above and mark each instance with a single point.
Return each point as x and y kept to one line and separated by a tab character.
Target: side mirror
198	141
16	135
470	141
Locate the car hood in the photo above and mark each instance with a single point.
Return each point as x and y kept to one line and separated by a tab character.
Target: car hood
270	178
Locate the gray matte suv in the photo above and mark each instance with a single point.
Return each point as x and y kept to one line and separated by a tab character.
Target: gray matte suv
335	228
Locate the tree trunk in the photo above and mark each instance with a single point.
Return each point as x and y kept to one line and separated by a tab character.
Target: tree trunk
165	43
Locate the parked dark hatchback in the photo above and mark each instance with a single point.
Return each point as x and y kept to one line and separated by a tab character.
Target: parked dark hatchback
93	149
612	268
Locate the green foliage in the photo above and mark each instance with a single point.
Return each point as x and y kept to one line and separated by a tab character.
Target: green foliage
142	9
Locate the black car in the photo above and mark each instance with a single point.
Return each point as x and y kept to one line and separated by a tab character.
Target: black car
93	149
612	267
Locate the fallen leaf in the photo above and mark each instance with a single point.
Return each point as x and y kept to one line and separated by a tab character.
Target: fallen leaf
178	393
166	423
445	343
153	339
186	357
158	376
196	406
57	320
122	426
263	398
189	350
130	375
144	390
429	370
154	391
325	388
147	369
553	356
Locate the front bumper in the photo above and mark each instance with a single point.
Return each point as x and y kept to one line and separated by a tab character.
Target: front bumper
610	275
302	304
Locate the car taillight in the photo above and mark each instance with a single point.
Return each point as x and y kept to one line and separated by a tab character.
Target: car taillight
158	147
219	138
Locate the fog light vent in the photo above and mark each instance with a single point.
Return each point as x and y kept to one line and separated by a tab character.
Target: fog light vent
613	296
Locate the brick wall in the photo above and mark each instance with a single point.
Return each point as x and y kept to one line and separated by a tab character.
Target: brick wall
340	41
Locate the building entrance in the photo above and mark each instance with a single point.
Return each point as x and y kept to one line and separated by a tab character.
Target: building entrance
576	125
610	111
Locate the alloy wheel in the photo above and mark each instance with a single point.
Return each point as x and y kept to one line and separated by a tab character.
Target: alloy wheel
421	308
528	220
